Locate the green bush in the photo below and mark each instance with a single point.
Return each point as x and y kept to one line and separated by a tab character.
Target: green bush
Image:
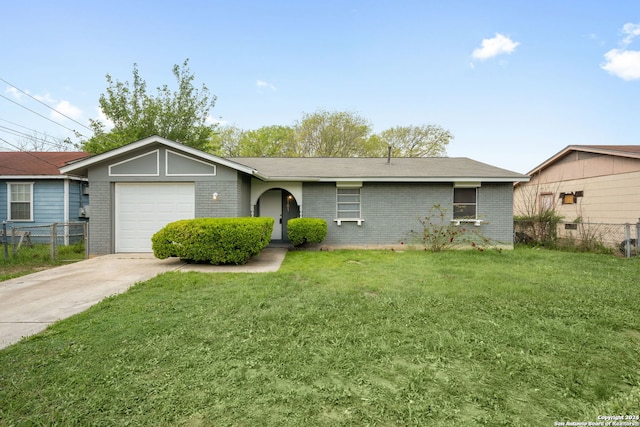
306	230
213	240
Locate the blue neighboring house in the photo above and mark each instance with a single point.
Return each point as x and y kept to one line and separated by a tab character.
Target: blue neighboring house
33	192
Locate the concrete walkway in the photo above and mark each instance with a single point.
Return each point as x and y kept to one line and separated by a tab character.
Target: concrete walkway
29	304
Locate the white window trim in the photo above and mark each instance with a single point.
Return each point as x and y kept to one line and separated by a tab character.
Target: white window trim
9	201
339	221
350	185
474	220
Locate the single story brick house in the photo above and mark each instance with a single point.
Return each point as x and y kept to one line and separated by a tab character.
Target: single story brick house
367	202
34	193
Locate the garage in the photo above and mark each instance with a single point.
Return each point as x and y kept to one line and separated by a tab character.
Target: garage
141	209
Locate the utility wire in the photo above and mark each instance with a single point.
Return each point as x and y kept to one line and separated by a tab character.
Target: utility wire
46	105
35	135
75	132
32	137
41	115
16	124
30	153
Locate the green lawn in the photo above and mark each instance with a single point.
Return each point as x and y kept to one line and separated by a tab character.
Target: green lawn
516	338
28	260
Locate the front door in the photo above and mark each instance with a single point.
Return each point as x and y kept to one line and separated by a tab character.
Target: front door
281	206
271	205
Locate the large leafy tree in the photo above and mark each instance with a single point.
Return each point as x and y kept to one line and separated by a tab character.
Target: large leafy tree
180	115
268	141
330	134
333	134
417	141
225	141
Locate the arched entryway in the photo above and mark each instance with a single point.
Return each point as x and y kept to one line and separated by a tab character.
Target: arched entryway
280	205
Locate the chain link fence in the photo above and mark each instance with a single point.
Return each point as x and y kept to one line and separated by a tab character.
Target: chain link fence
54	235
589	237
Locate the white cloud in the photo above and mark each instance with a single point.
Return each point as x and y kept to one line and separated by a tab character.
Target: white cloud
623	63
65	108
632	31
261	84
14	92
493	47
47	99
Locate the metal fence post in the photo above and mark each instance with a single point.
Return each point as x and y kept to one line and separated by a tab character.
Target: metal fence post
637	236
4	240
627	240
14	247
85	235
54	238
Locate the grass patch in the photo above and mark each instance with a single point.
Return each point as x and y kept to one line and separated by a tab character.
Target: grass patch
518	338
28	259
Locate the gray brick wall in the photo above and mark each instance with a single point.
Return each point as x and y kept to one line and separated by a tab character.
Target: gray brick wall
391	211
495	206
100	224
244	192
225	206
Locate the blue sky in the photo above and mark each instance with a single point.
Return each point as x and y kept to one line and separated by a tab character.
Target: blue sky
514	81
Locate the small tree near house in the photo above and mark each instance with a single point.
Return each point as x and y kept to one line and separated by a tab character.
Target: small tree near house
439	233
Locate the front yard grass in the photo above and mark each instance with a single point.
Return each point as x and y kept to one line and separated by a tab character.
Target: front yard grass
519	338
29	259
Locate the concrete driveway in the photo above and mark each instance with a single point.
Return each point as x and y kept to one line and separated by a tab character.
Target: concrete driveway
29	304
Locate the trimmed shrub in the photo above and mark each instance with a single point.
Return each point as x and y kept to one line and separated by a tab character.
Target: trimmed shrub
306	230
213	240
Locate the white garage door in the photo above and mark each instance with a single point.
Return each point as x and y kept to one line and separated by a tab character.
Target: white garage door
143	209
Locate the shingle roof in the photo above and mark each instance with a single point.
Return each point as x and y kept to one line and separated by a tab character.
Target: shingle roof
415	169
357	168
36	163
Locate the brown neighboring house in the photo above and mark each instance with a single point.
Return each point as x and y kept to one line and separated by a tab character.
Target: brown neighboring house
591	183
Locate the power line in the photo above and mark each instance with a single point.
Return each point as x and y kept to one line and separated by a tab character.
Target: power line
46	105
30	153
33	137
34	133
75	132
15	124
43	116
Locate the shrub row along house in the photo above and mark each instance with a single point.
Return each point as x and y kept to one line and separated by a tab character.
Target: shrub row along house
367	202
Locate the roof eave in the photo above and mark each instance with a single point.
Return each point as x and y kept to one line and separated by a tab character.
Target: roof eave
23	177
83	164
396	179
582	148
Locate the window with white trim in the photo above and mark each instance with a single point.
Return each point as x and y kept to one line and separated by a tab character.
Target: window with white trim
348	203
20	201
465	203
